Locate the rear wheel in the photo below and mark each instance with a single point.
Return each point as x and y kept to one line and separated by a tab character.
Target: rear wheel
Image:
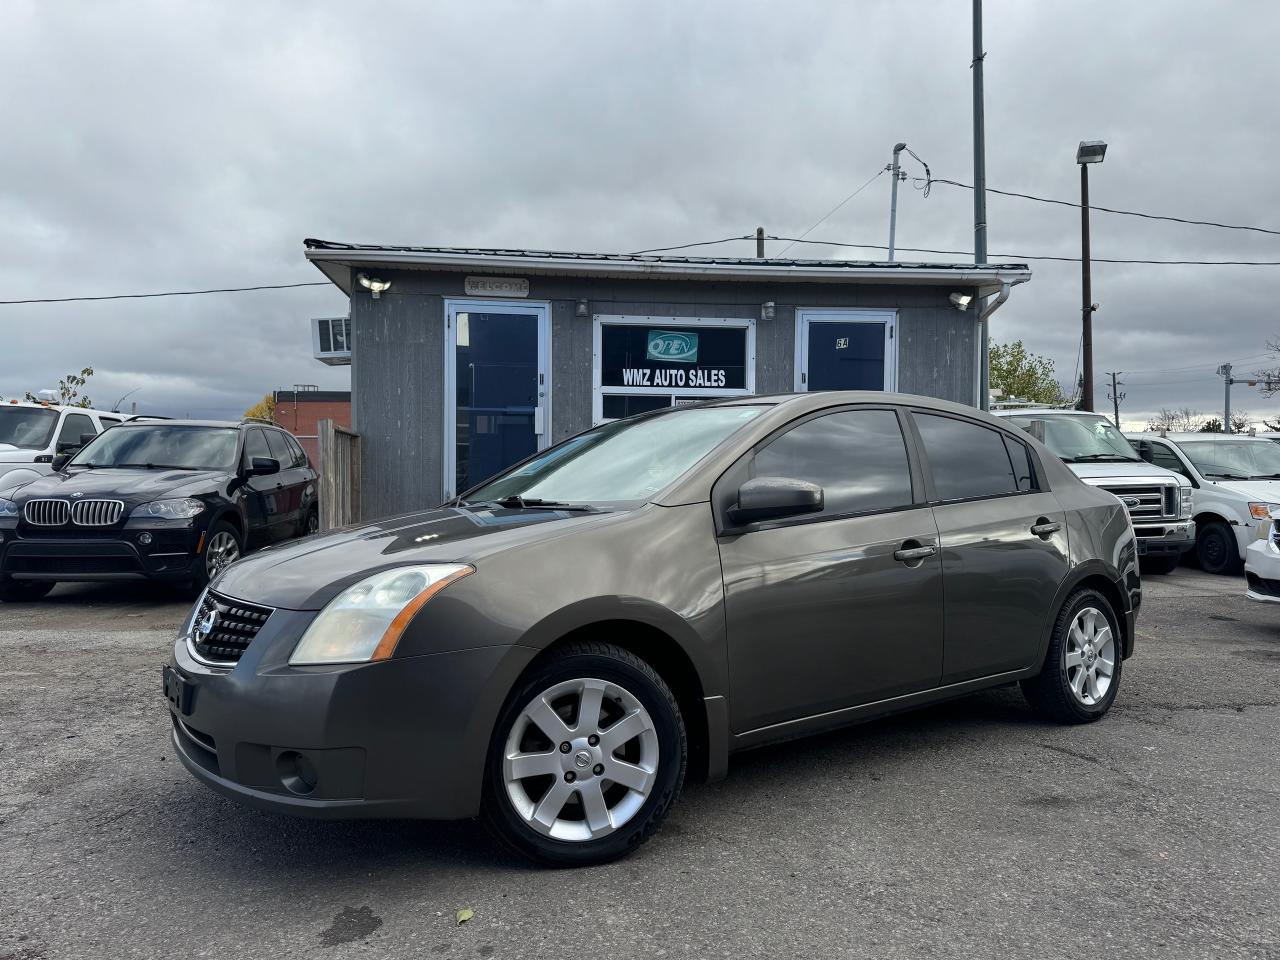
587	757
1081	672
19	591
1216	548
1160	565
311	524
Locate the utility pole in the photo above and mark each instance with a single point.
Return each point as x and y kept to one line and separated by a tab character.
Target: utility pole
1224	372
980	198
1089	151
893	200
1115	396
760	243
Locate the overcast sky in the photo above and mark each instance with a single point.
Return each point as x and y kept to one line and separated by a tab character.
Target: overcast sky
167	146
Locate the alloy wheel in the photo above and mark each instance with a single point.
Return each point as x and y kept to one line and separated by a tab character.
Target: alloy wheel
221	550
581	759
1090	656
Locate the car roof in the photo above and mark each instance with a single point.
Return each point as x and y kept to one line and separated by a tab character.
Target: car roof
144	421
58	407
1045	411
1196	435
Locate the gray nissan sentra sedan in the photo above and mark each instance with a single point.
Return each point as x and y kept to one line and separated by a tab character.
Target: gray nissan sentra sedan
557	649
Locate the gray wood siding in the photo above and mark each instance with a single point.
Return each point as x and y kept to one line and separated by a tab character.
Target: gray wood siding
398	356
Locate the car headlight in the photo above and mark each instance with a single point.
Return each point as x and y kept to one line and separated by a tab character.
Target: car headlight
1264	511
184	508
366	620
8	508
190	624
1184	508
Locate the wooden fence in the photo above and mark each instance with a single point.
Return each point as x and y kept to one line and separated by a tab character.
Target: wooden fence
339	475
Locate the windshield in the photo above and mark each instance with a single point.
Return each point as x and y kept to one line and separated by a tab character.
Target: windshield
1081	439
1241	457
624	460
27	428
183	448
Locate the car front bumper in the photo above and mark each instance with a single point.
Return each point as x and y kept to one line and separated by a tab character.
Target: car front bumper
1262	571
1165	539
172	553
405	737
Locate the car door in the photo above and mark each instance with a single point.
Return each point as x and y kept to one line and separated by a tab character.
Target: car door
265	503
826	611
290	482
1004	544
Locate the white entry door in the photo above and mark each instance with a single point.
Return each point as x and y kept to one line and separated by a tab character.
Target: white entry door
497	387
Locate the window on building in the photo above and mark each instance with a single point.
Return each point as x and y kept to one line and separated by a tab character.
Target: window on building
647	363
968	460
858	457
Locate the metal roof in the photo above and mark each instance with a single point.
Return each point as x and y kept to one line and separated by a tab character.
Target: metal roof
337	260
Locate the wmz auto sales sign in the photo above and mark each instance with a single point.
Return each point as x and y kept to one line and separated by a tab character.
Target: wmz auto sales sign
637	355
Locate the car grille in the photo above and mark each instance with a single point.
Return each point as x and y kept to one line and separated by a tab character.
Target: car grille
231	629
46	513
1155	502
96	513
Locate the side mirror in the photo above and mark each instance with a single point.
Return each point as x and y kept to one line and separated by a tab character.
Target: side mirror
60	461
263	466
87	438
771	498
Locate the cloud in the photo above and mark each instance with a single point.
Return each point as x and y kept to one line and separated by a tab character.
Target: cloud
156	146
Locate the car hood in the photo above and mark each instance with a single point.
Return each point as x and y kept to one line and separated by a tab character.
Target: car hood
306	574
1258	490
1137	470
131	486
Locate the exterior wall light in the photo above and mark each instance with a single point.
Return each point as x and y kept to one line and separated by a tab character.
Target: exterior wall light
768	310
961	301
583	308
373	284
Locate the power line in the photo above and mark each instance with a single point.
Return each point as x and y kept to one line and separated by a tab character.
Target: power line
686	246
167	293
1126	213
1194	366
824	217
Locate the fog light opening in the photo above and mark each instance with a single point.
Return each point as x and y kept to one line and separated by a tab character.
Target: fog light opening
297	773
144	539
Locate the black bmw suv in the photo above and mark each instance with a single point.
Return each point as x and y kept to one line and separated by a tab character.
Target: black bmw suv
170	500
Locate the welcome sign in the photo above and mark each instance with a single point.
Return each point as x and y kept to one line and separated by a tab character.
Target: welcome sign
672	345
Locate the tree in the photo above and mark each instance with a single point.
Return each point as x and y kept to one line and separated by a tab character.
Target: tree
264	409
1022	375
1239	423
1184	420
69	390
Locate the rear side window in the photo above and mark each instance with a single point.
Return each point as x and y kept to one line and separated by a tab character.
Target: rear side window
279	449
108	422
299	457
858	457
1020	457
969	460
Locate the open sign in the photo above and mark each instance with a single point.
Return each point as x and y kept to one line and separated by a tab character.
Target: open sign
671	345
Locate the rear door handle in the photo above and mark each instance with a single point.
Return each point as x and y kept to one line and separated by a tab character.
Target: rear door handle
1046	529
914	554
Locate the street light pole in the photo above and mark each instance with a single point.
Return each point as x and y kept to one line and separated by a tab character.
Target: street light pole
1089	151
893	201
980	200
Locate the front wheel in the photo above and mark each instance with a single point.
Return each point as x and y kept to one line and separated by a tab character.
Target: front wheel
1216	548
587	757
19	591
221	549
1081	672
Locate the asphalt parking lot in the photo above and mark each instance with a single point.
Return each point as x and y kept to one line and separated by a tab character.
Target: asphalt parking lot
966	830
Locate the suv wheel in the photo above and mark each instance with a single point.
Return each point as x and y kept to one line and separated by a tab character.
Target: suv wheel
1216	548
587	757
220	550
17	591
1081	672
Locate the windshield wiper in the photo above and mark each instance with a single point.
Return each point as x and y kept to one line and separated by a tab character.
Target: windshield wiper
153	466
1227	476
1110	457
1265	476
516	502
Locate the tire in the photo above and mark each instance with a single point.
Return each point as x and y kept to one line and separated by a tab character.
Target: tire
310	523
1216	549
545	813
1160	565
1075	654
218	553
25	591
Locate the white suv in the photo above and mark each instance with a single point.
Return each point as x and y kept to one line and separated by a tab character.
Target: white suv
1236	484
32	434
1159	502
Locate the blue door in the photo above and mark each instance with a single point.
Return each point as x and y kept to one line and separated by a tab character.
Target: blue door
839	353
499	390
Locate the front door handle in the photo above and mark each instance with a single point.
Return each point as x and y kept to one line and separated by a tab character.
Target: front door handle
1046	528
914	554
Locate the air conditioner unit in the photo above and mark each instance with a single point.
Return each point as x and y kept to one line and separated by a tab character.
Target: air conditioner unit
331	340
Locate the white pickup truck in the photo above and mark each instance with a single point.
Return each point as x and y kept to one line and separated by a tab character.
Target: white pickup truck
32	434
1158	500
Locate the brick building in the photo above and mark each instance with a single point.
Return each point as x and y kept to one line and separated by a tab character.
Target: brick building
301	411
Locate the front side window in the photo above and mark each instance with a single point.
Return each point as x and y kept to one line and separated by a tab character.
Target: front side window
1234	458
27	428
161	447
858	457
1077	438
628	460
255	445
968	460
76	425
1162	456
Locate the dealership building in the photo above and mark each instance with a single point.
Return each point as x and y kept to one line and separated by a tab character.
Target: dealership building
464	361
